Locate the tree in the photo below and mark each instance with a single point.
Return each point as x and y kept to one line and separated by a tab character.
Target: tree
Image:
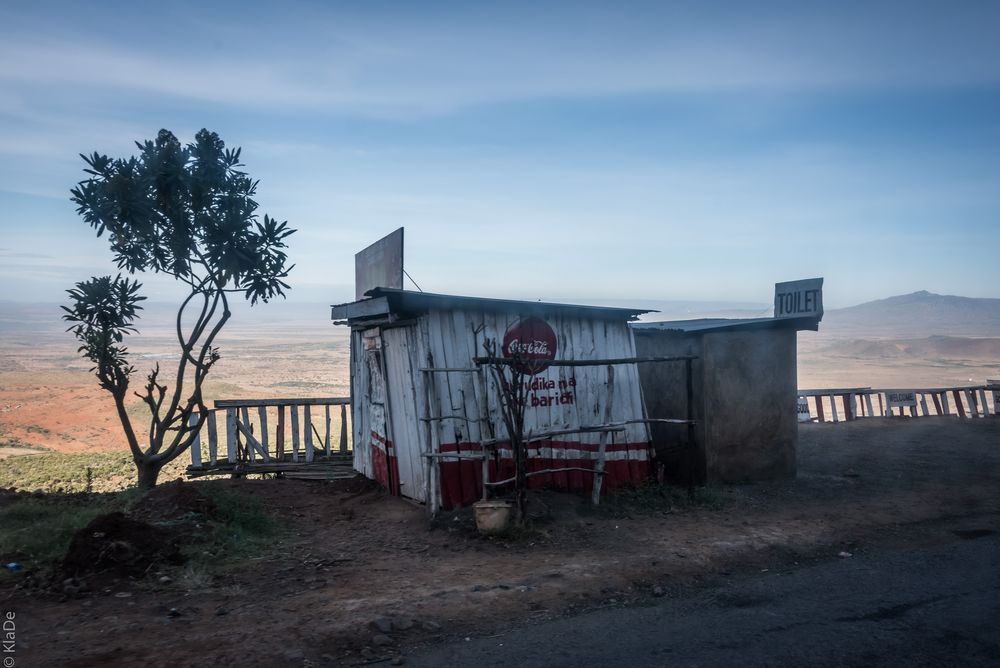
188	212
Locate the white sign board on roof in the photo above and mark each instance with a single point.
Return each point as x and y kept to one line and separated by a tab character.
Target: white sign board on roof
799	299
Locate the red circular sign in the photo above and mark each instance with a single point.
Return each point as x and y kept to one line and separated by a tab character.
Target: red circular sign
532	342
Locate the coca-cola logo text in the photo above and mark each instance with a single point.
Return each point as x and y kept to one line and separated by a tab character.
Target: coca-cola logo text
532	342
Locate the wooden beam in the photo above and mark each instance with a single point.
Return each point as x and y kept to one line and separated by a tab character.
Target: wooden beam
510	361
254	403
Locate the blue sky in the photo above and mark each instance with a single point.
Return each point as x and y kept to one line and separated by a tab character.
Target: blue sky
696	151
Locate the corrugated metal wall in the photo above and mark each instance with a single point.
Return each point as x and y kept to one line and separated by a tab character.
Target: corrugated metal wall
561	398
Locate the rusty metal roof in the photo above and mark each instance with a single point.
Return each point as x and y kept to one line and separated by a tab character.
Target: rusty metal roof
384	301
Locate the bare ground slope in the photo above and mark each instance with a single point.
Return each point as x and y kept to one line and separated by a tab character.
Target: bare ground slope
355	556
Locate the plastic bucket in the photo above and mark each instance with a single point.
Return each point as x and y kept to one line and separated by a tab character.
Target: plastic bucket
492	516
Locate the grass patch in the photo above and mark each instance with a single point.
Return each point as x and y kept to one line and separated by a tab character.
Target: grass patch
36	531
61	472
239	527
654	498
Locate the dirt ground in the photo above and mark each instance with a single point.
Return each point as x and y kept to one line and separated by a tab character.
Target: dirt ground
355	556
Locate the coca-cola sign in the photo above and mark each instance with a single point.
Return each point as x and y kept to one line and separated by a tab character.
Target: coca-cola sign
532	342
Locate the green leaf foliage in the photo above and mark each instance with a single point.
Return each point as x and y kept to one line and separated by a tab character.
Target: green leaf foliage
103	311
188	211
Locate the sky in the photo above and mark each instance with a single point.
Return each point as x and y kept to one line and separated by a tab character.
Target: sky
544	150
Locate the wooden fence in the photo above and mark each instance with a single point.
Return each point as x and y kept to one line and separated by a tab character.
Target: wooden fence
857	402
275	436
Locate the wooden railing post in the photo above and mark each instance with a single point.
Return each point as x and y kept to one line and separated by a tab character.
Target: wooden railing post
213	440
343	428
307	426
279	437
262	418
326	439
295	432
196	443
231	435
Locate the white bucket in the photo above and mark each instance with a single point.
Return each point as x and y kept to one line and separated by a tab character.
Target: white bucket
492	516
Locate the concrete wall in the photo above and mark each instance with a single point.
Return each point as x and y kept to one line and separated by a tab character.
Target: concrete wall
744	401
664	391
750	391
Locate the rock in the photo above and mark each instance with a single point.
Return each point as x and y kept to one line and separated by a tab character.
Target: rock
396	661
368	653
329	658
845	555
295	655
71	586
381	624
433	627
123	594
220	611
403	623
165	580
478	588
381	640
658	591
173	612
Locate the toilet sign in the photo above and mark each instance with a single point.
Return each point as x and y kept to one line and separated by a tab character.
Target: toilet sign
799	299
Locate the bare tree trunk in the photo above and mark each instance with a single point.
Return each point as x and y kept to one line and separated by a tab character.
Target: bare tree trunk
148	472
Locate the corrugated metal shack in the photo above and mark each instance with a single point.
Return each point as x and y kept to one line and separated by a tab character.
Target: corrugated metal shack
744	397
416	392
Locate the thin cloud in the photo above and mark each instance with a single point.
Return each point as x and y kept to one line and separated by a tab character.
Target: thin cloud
400	67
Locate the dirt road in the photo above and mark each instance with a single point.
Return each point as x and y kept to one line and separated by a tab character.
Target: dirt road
920	607
356	556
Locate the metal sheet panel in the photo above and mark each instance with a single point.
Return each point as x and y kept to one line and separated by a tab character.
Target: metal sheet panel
380	265
399	347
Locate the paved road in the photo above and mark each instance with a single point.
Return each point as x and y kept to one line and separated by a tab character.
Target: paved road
937	606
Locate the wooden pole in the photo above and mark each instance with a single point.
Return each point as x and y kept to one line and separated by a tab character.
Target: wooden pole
595	495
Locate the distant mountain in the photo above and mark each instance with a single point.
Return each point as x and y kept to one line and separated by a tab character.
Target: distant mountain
916	315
